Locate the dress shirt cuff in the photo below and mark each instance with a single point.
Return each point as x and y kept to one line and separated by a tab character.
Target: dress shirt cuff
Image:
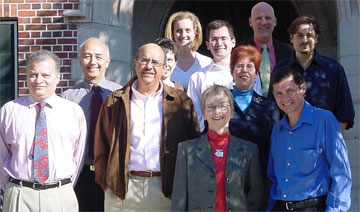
334	203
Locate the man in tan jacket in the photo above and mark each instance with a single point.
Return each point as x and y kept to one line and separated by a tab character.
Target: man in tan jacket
137	135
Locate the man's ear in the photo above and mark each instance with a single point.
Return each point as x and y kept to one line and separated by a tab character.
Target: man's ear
303	88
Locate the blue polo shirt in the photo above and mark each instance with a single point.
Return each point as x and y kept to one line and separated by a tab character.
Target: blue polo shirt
326	86
310	159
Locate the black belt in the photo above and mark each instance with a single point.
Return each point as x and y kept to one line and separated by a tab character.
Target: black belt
311	202
38	185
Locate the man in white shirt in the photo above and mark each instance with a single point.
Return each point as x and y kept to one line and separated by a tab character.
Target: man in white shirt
220	40
42	142
137	135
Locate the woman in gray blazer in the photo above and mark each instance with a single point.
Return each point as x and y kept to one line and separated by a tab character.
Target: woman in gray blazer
217	172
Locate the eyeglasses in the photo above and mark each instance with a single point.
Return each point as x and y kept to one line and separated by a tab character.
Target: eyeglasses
212	108
145	61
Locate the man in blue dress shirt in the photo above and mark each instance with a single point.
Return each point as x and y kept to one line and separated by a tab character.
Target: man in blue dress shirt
327	86
308	163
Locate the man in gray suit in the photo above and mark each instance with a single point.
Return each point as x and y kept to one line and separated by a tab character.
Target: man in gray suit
94	59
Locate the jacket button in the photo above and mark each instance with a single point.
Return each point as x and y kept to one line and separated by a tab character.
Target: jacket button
228	194
229	210
227	179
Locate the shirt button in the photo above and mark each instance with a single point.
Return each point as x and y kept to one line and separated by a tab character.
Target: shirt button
288	164
248	118
284	195
228	194
290	132
289	148
230	210
286	180
227	179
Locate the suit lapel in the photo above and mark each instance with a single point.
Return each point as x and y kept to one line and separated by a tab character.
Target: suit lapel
204	152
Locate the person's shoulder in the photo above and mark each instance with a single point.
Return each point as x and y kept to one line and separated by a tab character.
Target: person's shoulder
72	92
190	145
329	62
322	114
18	102
113	86
203	60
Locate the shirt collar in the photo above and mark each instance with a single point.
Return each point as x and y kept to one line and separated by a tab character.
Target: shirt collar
139	95
212	67
269	44
51	101
88	86
306	117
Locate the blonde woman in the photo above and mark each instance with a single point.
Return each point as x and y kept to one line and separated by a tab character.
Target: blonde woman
185	29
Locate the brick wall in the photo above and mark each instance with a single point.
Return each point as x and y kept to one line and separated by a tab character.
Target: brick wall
41	26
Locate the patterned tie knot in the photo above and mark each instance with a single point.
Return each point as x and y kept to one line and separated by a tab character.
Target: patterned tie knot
95	87
41	105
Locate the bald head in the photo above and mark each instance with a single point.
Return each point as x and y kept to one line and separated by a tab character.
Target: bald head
94	59
262	21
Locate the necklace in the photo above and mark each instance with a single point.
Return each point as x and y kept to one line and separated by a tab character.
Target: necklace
219	153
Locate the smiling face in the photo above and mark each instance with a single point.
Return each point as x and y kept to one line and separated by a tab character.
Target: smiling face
149	65
304	40
184	33
262	21
220	43
244	73
289	96
42	78
217	112
94	60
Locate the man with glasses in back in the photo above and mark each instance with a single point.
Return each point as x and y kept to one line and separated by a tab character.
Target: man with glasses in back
220	40
137	135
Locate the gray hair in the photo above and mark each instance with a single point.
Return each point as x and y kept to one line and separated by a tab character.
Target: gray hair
42	55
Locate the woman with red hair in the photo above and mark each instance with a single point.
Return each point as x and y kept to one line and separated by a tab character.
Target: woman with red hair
254	115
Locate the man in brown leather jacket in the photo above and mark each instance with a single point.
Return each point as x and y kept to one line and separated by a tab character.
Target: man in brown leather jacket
137	135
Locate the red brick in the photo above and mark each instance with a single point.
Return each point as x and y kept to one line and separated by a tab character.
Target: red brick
21	84
36	20
72	26
13	10
76	6
62	55
57	48
46	6
24	20
35	1
63	83
26	13
68	6
24	6
45	41
46	34
75	33
74	1
46	48
67	48
67	34
56	26
36	6
35	48
57	6
21	56
46	20
13	1
66	76
75	48
35	34
58	90
25	41
46	13
60	12
22	70
57	1
66	62
21	27
24	49
35	27
23	35
23	91
58	20
67	41
57	34
72	55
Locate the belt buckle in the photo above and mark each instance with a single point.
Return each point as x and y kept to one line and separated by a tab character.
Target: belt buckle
287	206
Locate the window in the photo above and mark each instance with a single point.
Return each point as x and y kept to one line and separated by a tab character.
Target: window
8	60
